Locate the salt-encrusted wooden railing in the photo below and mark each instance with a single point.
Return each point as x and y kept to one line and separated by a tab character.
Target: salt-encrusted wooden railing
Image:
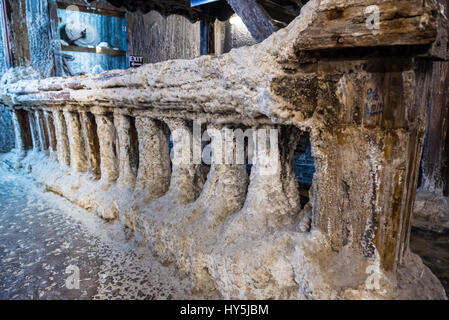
354	81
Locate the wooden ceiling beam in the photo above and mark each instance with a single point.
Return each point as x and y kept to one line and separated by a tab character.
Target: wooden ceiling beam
254	16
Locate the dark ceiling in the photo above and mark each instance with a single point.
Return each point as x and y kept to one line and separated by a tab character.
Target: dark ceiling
281	12
220	10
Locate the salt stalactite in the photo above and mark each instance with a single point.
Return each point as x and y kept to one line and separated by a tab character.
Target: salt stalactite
63	149
52	142
108	149
90	135
34	132
19	143
78	159
153	177
128	173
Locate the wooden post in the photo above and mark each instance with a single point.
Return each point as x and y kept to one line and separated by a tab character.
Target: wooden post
90	133
18	32
78	158
107	136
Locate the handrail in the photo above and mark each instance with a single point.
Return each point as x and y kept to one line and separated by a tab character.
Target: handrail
359	88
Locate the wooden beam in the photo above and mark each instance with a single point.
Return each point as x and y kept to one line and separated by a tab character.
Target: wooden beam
97	50
82	8
54	37
254	17
345	26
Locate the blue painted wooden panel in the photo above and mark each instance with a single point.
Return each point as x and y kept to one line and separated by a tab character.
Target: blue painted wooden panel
304	166
102	29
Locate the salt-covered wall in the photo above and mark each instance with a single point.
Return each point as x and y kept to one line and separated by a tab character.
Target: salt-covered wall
6	130
157	38
41	52
40	57
231	34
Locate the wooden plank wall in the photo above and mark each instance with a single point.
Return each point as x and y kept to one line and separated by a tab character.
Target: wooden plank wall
105	28
435	160
157	38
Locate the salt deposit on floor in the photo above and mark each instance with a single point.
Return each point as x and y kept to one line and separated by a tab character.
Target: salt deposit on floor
43	236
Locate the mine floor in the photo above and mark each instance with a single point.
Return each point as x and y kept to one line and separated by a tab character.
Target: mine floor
433	248
43	236
44	239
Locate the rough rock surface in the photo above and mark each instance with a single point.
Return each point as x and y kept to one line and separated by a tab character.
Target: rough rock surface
431	211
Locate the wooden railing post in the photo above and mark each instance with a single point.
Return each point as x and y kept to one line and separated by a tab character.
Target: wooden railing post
51	133
107	137
128	158
62	138
78	158
153	177
90	135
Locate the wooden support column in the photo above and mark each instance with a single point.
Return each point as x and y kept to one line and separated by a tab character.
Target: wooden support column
370	151
129	153
254	17
90	133
23	140
34	131
42	130
107	137
18	32
51	132
187	180
224	192
78	158
62	139
153	179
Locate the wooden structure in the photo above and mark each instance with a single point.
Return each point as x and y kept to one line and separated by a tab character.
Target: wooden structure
361	93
